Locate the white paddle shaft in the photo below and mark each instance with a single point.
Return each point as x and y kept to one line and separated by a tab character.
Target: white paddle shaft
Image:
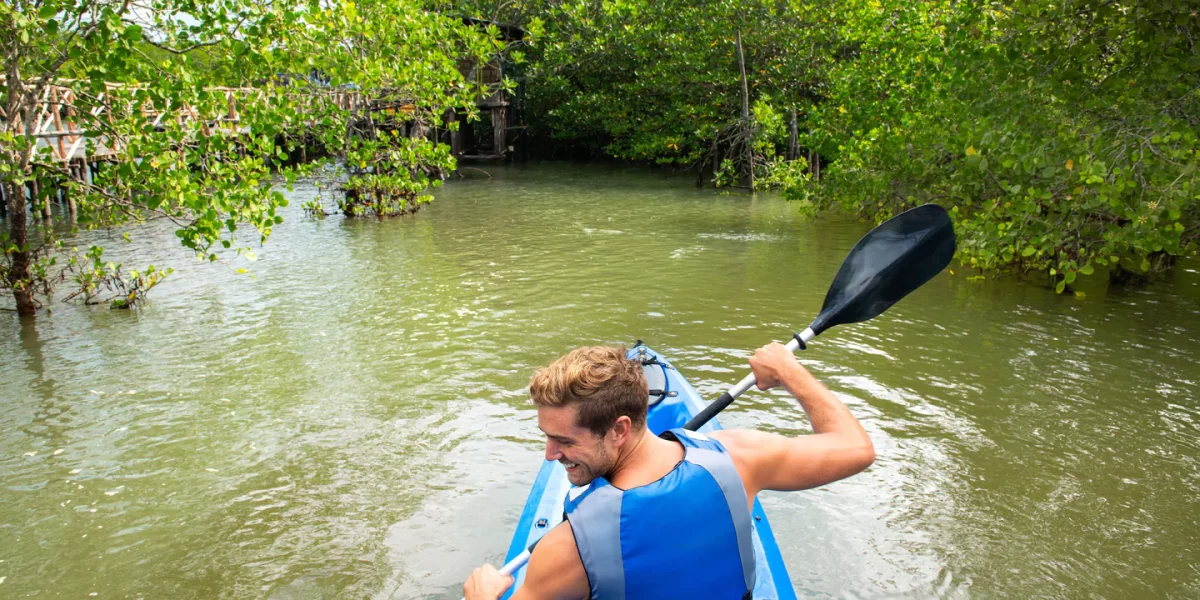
807	335
514	564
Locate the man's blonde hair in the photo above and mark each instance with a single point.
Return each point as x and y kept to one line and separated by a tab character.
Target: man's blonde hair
600	381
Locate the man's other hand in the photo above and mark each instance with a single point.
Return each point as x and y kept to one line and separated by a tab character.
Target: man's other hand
486	583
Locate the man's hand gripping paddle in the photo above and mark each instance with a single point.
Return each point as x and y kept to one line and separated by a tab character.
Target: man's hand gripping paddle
888	263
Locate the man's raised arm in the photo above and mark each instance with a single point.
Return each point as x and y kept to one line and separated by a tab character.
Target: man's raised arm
838	448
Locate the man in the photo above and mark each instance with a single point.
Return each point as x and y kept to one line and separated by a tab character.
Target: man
645	503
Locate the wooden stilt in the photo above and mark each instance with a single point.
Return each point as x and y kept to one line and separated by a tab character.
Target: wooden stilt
77	173
499	131
45	199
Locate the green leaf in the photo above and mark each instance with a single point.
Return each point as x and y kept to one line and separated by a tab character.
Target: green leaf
1028	251
1087	269
1062	285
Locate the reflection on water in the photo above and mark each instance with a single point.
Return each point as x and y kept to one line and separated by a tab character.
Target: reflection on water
351	421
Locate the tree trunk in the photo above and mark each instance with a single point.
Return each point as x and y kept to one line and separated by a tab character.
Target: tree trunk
18	274
793	150
716	154
746	111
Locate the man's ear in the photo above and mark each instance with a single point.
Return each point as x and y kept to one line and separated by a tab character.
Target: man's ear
621	429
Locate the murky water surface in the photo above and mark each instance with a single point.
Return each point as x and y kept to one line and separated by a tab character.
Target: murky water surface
350	420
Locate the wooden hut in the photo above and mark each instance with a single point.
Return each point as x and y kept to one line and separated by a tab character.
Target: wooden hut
493	136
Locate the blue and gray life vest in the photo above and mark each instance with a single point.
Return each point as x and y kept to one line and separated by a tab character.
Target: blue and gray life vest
687	535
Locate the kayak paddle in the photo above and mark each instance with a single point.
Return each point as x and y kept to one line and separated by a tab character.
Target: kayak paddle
888	263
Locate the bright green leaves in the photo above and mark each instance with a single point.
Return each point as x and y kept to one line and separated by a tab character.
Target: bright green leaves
1059	161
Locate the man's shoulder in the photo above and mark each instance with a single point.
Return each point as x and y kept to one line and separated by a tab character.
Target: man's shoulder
692	438
753	453
557	550
735	441
559	538
555	569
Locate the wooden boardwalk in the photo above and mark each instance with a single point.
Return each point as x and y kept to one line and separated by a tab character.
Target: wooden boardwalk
64	124
79	131
74	130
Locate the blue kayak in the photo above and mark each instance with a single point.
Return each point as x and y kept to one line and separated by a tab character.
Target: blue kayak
672	402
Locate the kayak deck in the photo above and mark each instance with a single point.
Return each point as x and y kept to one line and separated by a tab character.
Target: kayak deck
672	408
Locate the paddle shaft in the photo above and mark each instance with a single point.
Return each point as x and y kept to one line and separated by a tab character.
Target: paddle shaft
511	566
746	383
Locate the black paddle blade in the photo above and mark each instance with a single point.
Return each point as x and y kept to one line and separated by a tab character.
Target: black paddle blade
886	264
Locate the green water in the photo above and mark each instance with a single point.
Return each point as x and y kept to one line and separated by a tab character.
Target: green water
351	420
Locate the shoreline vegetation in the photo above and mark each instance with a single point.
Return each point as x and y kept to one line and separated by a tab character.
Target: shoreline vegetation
1062	137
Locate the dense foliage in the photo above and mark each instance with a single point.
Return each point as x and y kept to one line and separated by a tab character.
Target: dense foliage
190	108
410	76
1061	134
662	81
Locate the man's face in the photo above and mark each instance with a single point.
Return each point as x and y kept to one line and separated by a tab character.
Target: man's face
585	454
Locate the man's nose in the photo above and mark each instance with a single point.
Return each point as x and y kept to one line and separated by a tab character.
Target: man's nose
552	451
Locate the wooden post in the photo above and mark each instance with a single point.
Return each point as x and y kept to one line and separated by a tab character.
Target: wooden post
37	193
70	123
233	114
77	172
58	126
456	136
746	112
499	131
